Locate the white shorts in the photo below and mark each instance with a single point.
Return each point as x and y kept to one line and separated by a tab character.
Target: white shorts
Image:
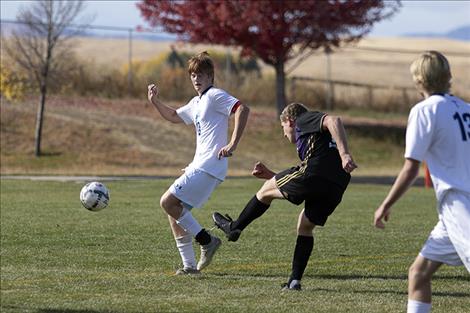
449	241
194	187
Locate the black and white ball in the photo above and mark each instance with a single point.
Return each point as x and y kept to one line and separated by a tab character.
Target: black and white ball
94	196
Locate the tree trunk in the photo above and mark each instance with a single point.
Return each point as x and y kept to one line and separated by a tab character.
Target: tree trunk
39	120
280	87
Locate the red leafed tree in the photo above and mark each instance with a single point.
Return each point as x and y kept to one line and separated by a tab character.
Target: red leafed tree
276	31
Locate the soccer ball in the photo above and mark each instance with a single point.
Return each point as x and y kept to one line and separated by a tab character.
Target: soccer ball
94	196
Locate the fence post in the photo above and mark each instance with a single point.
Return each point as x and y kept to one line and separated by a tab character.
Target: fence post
228	68
129	73
405	97
370	96
330	89
292	87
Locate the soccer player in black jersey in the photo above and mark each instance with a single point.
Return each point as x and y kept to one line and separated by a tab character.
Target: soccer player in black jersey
319	180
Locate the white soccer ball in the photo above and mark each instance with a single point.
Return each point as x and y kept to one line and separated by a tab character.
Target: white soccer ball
94	196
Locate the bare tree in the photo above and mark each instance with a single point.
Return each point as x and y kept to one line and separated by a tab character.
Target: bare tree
39	45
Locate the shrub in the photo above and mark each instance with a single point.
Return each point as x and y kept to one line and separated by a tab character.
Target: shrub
13	82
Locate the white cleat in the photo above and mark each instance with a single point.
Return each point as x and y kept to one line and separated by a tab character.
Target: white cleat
208	251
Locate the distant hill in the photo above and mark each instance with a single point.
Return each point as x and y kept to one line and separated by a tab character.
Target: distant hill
460	33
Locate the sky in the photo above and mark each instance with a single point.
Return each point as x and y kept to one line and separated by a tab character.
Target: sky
414	16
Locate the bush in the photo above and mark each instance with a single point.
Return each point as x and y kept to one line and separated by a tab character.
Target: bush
13	82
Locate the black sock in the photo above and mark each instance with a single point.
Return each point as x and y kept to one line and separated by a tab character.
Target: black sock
203	237
253	209
302	252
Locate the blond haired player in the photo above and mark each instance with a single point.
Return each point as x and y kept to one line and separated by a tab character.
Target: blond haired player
438	132
209	112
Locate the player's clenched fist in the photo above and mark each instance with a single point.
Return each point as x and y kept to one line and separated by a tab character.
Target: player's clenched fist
152	92
261	171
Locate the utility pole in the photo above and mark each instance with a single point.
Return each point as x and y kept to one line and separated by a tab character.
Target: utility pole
330	88
129	73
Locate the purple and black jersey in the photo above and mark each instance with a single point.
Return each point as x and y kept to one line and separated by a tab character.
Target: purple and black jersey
317	149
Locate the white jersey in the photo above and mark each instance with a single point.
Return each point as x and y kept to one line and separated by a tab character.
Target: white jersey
438	133
210	114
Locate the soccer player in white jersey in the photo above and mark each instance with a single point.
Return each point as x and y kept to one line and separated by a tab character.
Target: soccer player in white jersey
209	112
438	132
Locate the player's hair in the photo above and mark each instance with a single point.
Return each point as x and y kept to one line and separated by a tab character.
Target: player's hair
431	72
292	111
201	63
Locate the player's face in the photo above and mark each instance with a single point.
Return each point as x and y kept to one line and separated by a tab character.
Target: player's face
288	129
201	81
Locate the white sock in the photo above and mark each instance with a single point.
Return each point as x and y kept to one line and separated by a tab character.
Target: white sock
418	307
294	282
185	248
189	223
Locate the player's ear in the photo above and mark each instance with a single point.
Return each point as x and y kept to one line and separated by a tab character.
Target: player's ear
291	123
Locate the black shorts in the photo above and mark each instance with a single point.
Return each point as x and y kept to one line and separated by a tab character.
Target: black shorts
321	195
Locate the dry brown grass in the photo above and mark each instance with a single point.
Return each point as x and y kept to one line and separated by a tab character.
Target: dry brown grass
89	136
125	137
348	64
383	68
128	137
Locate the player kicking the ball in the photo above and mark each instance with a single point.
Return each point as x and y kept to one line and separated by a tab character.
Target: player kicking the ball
320	180
438	132
209	111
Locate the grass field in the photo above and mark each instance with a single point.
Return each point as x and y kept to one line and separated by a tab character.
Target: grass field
58	257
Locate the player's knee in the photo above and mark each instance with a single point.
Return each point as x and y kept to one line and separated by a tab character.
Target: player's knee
417	274
265	194
165	202
305	229
304	226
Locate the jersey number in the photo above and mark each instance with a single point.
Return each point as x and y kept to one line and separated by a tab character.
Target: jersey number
462	120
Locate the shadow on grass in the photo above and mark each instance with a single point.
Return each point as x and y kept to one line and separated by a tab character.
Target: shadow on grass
70	311
393	292
336	276
384	277
25	309
360	277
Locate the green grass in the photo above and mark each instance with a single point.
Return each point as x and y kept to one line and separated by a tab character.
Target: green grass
58	257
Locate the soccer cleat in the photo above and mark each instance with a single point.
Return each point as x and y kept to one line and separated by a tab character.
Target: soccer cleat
225	223
287	286
187	271
208	251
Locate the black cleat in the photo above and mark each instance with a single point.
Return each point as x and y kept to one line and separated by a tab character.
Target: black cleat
225	223
287	287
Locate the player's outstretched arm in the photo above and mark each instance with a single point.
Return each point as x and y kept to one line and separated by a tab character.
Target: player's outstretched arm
241	118
167	112
407	175
261	171
335	126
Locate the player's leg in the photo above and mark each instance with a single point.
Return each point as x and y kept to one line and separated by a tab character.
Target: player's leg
256	207
258	204
192	189
321	199
181	216
303	250
184	240
455	212
184	243
437	250
419	284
